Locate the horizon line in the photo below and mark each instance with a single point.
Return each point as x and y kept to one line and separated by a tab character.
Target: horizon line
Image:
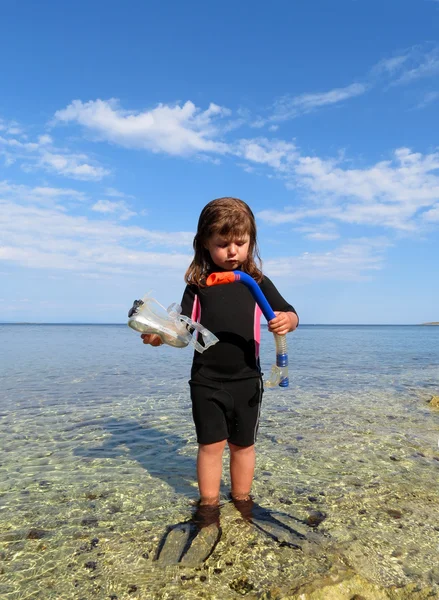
432	323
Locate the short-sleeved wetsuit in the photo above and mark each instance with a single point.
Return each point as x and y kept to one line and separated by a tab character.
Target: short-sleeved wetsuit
226	384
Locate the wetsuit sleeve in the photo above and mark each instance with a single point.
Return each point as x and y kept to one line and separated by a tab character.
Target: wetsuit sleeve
189	302
275	300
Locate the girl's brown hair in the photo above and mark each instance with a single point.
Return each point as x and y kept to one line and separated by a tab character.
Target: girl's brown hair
228	217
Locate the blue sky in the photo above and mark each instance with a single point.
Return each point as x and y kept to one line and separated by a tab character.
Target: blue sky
119	122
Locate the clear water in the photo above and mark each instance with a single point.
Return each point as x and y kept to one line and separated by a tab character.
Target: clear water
98	460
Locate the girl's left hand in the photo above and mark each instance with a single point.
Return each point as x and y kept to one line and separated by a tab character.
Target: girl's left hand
281	324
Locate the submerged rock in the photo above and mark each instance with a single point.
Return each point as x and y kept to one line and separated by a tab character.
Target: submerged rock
314	518
241	585
90	522
434	402
36	534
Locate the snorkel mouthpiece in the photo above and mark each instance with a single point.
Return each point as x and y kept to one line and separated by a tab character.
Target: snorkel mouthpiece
279	371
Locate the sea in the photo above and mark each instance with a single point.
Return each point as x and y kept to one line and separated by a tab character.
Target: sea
98	470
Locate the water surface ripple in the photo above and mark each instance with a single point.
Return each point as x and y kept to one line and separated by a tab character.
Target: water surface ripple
98	460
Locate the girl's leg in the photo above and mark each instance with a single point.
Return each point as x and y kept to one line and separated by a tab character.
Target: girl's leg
242	468
209	468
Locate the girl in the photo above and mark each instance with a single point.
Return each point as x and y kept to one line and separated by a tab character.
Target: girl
226	380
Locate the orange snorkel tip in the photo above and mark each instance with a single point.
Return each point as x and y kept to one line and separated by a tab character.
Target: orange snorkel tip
220	278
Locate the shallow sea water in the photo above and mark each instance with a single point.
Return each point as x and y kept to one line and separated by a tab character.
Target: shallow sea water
98	461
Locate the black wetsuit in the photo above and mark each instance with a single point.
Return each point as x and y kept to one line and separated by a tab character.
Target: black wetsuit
226	385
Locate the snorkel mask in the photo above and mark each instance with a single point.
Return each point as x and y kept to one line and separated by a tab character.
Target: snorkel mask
173	328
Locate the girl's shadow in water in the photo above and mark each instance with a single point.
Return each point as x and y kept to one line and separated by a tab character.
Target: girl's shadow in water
156	451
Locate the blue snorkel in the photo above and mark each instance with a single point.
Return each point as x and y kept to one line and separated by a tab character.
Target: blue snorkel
279	371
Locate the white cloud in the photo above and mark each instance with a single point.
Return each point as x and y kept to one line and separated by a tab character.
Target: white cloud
113	193
273	153
355	260
390	193
72	165
432	215
45	139
323	232
429	98
10	127
176	130
41	195
288	108
119	209
419	62
70	242
43	154
412	64
93	248
389	66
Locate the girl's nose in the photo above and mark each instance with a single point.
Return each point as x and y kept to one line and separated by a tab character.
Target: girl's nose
232	250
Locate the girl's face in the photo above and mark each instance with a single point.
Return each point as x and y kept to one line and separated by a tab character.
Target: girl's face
228	254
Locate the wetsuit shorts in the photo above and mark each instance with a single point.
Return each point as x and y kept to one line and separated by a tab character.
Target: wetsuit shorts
226	410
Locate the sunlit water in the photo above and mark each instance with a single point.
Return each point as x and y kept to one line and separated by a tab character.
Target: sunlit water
98	460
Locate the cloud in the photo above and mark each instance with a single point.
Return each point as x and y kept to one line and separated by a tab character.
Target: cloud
355	260
277	154
419	62
99	248
77	243
42	154
323	232
72	166
389	66
429	98
177	130
119	209
10	127
113	193
391	193
291	107
40	195
432	215
410	65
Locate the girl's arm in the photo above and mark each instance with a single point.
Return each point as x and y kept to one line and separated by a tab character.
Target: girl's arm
286	319
283	323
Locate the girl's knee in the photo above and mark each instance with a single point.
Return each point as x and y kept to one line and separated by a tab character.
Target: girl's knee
242	449
212	449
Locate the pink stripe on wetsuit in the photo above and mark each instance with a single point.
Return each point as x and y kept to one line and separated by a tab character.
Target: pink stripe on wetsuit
257	329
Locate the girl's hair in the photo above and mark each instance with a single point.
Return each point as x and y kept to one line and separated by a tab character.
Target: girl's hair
229	218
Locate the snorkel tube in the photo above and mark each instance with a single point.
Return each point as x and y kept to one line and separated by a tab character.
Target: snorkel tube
279	371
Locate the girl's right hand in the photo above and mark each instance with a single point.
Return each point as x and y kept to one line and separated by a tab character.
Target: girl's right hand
152	339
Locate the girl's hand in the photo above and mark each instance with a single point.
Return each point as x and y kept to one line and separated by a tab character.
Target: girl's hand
152	339
283	323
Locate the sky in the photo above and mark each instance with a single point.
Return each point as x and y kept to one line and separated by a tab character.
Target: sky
120	121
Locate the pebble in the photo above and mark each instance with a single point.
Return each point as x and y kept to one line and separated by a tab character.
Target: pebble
36	534
314	518
89	522
396	514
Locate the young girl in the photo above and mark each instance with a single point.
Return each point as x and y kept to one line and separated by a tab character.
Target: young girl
226	380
